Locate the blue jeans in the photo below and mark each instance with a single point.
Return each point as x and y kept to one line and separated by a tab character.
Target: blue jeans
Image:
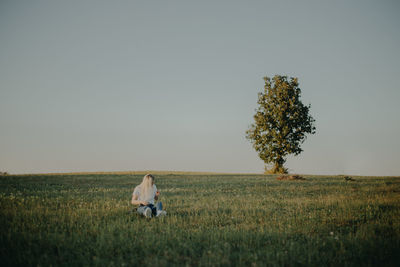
153	208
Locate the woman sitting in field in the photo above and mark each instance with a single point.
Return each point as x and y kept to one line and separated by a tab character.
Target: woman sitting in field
144	195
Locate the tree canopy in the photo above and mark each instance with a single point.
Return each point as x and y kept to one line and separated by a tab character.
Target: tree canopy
281	122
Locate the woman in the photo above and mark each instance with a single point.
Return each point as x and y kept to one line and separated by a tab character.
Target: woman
144	195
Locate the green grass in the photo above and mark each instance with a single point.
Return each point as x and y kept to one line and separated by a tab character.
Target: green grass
213	220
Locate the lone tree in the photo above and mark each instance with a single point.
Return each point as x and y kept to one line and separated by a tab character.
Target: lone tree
281	122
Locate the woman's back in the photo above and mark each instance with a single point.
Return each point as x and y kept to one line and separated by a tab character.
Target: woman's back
145	195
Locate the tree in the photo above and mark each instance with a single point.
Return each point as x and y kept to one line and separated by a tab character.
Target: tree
281	122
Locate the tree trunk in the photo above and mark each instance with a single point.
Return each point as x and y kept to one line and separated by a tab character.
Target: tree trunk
278	166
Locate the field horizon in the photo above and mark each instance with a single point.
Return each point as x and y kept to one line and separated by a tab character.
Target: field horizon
174	172
139	172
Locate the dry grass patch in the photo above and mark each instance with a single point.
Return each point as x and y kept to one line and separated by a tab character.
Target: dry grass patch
290	177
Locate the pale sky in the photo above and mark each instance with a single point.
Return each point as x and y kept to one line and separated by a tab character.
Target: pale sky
172	85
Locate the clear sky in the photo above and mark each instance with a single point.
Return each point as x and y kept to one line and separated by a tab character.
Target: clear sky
172	85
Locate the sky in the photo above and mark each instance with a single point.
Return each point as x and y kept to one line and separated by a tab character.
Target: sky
172	85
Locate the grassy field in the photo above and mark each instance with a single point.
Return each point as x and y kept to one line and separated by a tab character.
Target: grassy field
213	220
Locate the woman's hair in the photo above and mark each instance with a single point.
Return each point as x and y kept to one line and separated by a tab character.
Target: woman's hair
146	187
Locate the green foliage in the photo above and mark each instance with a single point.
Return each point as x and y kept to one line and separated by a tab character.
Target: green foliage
213	220
281	122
